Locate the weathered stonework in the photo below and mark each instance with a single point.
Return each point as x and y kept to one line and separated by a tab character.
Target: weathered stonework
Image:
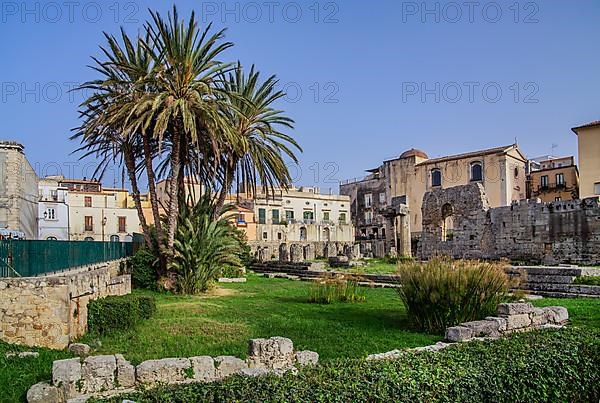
51	311
549	233
110	375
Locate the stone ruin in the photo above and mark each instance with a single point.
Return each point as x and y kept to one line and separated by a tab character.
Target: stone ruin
460	223
110	375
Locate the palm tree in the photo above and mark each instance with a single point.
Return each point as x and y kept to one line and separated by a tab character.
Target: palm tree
259	155
183	105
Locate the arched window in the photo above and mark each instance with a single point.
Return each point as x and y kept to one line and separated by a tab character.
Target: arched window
51	238
303	234
476	171
436	177
114	238
447	222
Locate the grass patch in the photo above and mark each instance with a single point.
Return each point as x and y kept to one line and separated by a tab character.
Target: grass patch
376	266
583	312
587	280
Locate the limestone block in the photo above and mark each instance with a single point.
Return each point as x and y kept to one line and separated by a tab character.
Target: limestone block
98	373
482	328
557	315
459	333
125	372
519	321
440	345
80	349
500	321
66	374
204	368
273	353
538	317
306	358
515	308
227	366
44	393
166	371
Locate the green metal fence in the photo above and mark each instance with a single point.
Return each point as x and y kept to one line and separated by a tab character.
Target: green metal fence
32	258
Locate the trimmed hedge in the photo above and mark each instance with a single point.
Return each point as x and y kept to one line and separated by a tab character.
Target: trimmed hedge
549	365
113	313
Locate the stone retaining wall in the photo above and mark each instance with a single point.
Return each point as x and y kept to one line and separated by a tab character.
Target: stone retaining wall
107	375
51	311
554	281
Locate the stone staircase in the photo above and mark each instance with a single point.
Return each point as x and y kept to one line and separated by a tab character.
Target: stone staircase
554	281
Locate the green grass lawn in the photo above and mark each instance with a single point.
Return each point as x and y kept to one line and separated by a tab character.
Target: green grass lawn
186	326
223	322
376	266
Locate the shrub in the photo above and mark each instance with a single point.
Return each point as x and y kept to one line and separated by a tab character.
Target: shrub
587	280
114	313
203	246
232	272
143	270
543	366
445	292
340	288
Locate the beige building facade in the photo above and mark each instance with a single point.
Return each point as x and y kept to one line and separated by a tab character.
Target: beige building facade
406	179
18	193
553	179
588	139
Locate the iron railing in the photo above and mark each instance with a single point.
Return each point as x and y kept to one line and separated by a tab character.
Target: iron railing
26	258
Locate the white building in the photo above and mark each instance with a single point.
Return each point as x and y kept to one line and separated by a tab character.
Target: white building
53	209
303	215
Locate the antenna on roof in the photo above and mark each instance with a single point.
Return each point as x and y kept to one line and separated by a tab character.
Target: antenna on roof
553	147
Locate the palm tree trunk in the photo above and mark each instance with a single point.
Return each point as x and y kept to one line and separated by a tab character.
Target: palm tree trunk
173	205
135	190
228	180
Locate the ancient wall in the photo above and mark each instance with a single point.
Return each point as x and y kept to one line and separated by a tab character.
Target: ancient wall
297	251
528	230
51	311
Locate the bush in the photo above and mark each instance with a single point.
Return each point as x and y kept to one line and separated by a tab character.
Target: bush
544	366
114	313
445	292
587	280
143	270
340	288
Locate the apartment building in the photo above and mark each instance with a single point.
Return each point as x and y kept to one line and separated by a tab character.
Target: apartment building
553	179
53	209
588	139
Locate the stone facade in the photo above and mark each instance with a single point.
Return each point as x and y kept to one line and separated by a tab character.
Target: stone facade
18	191
51	311
107	375
460	223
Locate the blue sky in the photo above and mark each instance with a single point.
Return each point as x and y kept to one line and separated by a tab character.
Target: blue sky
366	80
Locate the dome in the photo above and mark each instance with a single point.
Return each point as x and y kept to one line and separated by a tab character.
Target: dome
413	152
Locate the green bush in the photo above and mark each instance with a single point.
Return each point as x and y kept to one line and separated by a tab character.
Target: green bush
340	288
143	270
115	313
543	366
445	292
587	280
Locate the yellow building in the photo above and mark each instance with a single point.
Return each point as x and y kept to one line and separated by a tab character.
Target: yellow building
406	179
553	179
588	138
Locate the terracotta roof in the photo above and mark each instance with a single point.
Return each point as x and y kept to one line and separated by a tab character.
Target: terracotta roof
495	150
413	152
591	124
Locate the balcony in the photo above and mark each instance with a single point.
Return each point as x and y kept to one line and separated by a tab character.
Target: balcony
548	187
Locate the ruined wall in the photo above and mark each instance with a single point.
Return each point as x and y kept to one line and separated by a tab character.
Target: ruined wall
549	233
51	311
297	251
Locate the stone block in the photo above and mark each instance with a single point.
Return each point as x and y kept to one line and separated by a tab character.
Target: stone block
482	328
519	321
273	353
98	373
538	317
125	372
254	372
66	374
165	371
80	349
459	333
557	315
500	321
306	358
227	366
204	368
516	308
44	393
